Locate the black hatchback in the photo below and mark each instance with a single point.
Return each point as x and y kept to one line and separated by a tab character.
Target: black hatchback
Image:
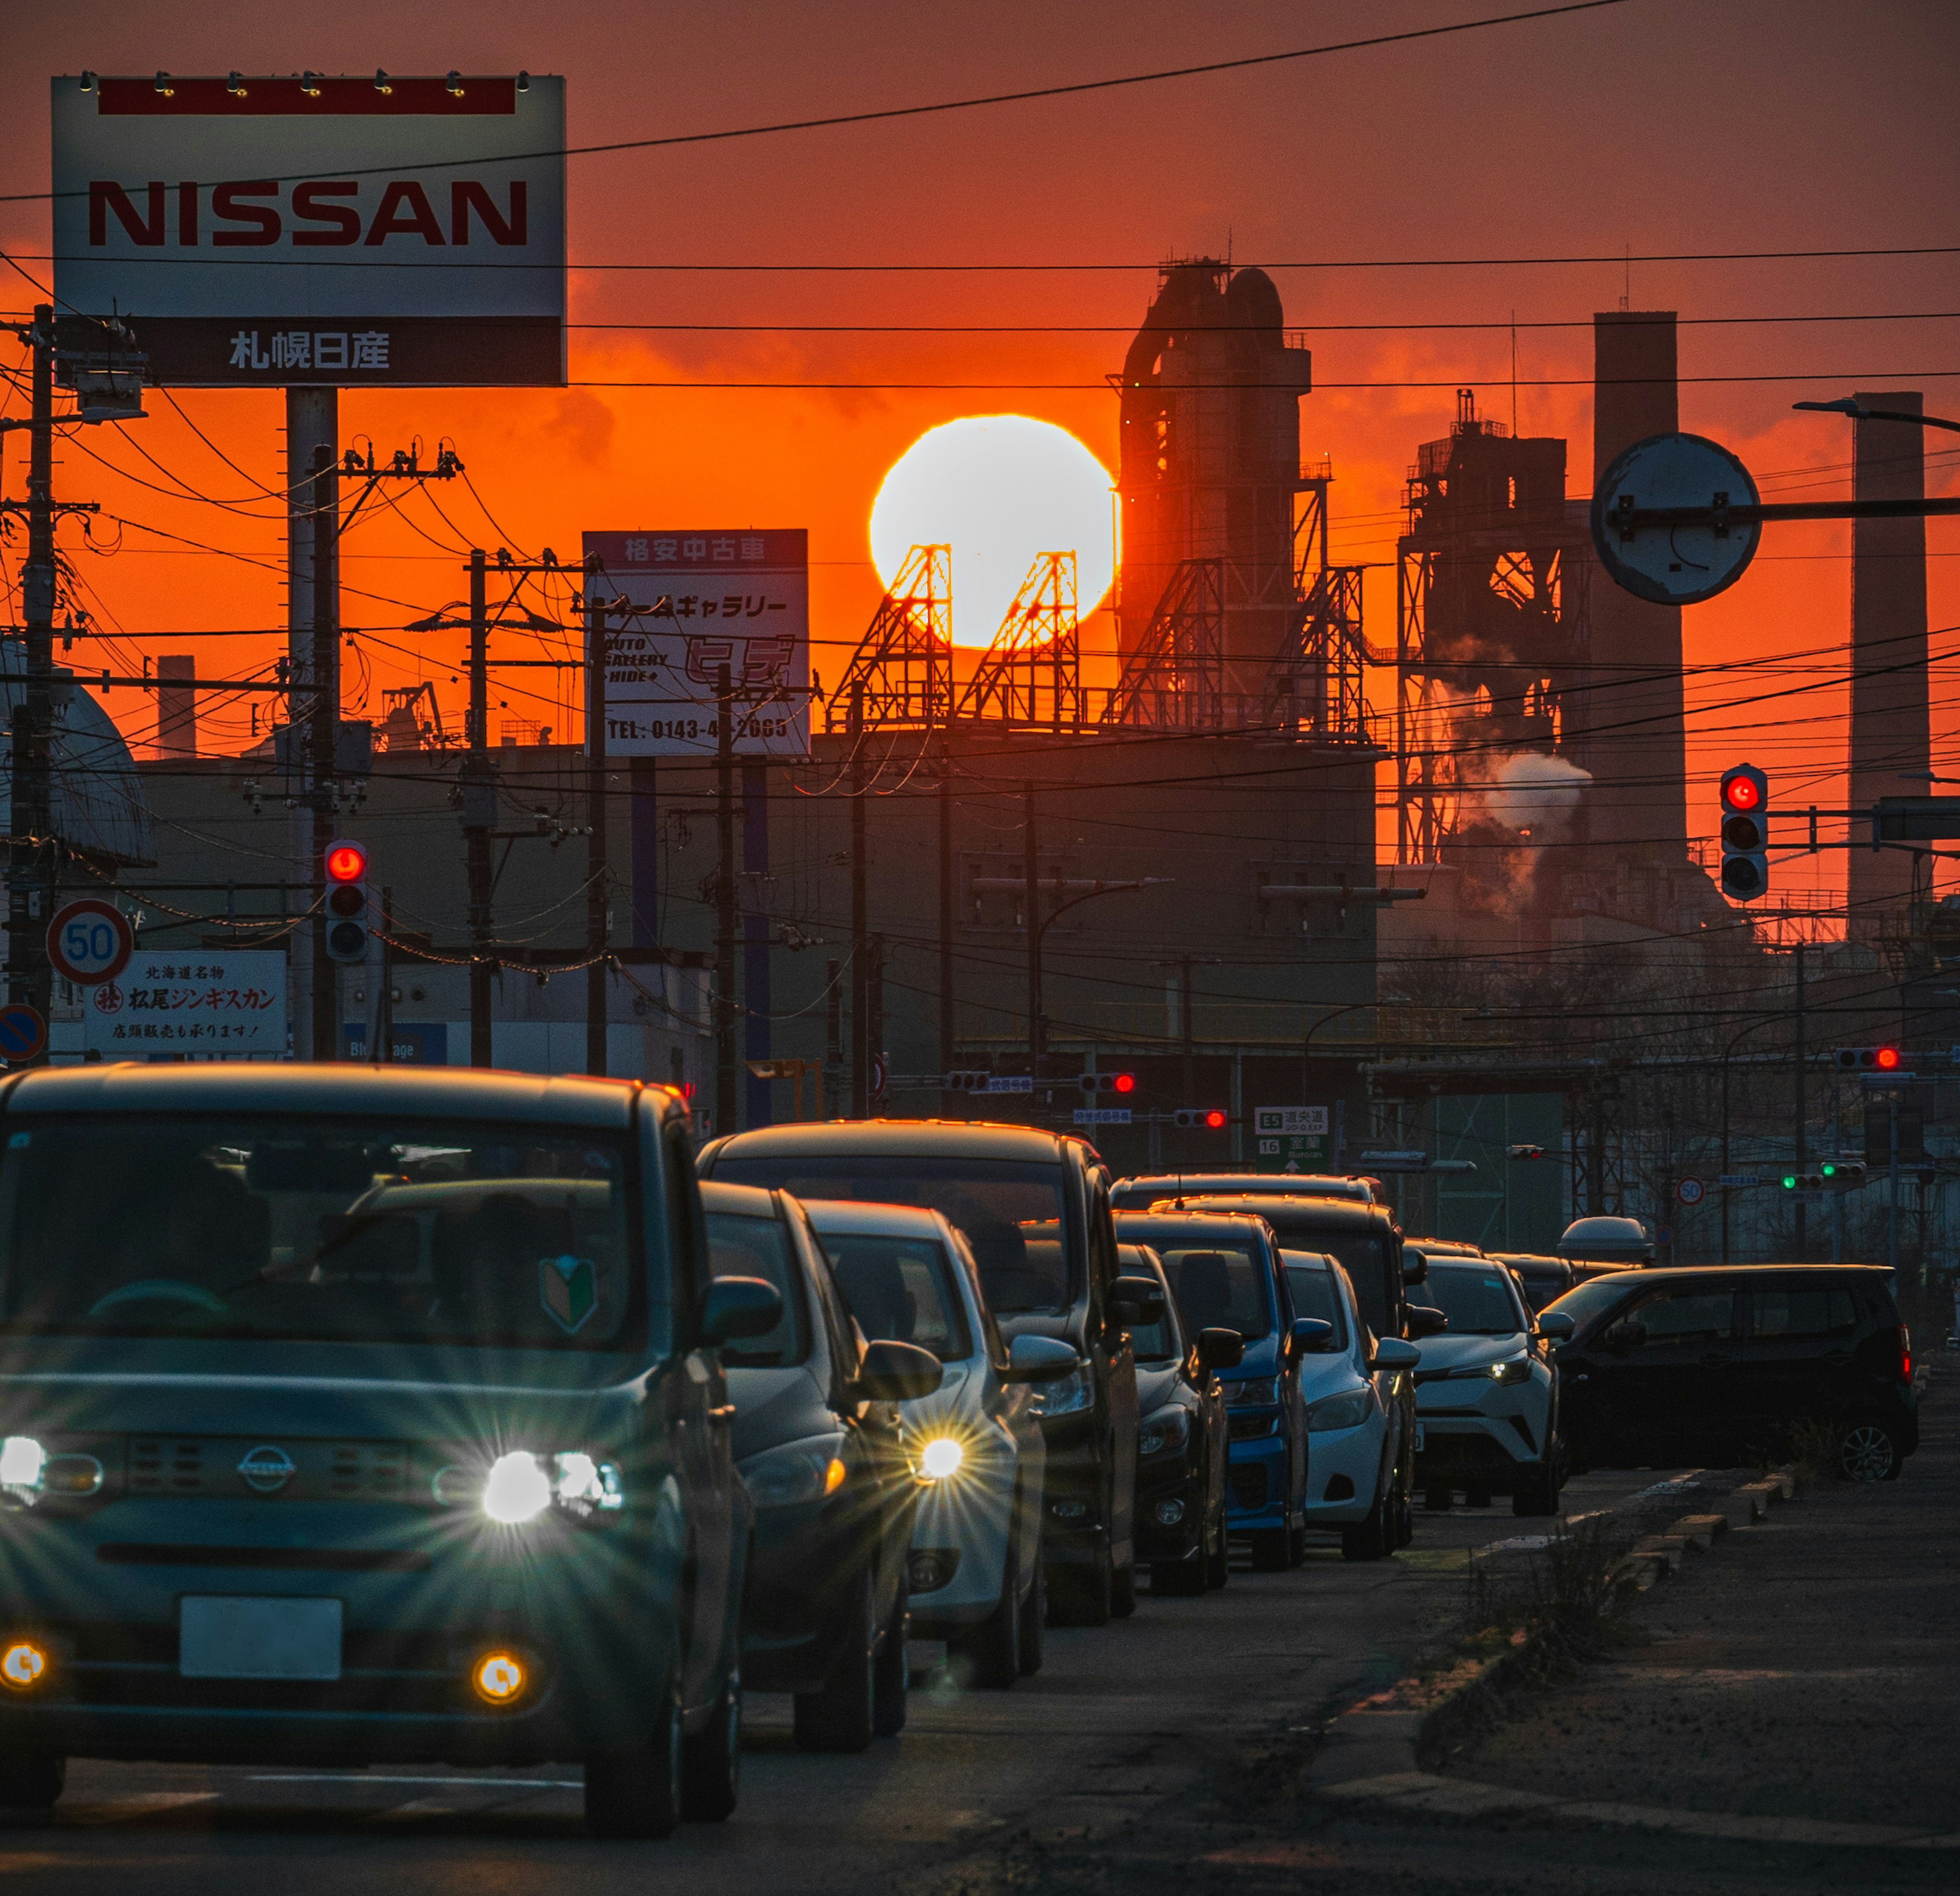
1721	1364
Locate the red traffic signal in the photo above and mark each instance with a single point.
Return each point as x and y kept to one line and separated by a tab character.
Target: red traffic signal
1212	1118
1886	1059
345	862
1743	788
1093	1083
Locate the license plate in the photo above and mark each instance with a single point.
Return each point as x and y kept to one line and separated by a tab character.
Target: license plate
224	1636
1418	1438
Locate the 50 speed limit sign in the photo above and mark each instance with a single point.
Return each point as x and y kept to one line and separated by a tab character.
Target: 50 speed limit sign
90	942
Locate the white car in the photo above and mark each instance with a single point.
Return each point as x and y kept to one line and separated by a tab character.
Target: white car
1360	1464
976	1443
1487	1394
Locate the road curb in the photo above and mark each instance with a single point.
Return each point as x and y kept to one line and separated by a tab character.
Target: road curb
1383	1741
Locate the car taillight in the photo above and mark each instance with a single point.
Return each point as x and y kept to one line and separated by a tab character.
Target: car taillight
1905	1356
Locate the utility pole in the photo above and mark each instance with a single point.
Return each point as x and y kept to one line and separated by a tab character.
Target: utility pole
480	813
833	1024
312	428
595	875
384	1054
725	1077
946	1054
1803	1116
1031	905
860	951
32	857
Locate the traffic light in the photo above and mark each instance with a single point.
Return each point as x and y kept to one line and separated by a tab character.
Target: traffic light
1122	1085
1527	1151
963	1082
347	928
1745	833
1834	1175
1210	1119
1870	1059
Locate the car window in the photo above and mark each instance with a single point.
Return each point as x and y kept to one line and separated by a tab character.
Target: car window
1787	1312
1478	1299
1585	1303
1685	1316
1010	1212
1314	1294
901	1290
1163	1340
321	1229
741	1246
1221	1285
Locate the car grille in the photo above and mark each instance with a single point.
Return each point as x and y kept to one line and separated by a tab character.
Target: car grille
185	1465
1251	1428
1249	1486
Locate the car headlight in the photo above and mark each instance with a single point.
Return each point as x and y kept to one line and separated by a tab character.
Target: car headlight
521	1485
1506	1369
939	1457
1347	1410
1168	1432
1264	1389
798	1471
29	1473
1066	1395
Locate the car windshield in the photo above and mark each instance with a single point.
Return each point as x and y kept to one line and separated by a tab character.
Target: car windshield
901	1290
319	1229
1478	1300
1585	1303
1315	1295
739	1246
1009	1210
1221	1280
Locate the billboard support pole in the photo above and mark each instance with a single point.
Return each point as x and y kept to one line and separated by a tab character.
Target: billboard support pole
33	858
595	872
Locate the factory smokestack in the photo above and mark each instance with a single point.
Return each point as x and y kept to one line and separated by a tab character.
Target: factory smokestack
1889	721
1630	710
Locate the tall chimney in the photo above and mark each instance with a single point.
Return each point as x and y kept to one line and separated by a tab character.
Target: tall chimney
1635	742
177	709
1889	721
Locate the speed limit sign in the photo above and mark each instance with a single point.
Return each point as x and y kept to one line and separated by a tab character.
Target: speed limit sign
89	942
1690	1191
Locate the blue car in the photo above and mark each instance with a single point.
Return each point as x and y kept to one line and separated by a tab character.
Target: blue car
1226	1272
367	1416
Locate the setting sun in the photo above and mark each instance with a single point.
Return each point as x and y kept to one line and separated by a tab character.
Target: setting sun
998	489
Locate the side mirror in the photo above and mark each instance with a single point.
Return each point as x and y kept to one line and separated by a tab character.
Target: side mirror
1415	1269
1040	1359
736	1307
1312	1336
1627	1335
897	1372
1557	1325
1139	1300
1392	1353
1424	1321
1220	1349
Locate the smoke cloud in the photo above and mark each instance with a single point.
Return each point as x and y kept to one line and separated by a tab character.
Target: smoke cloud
1530	796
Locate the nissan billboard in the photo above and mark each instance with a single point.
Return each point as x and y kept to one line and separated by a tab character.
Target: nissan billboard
270	232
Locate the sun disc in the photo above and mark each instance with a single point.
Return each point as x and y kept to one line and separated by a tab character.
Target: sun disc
998	489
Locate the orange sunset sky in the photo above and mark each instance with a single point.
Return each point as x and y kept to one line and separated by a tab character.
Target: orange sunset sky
1655	126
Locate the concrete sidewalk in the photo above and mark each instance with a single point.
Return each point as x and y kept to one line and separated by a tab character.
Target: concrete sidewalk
1808	1672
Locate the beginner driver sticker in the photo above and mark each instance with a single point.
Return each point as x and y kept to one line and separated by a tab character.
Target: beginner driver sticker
569	1288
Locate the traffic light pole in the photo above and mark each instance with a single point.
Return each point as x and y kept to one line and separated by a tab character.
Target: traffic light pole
727	1077
323	733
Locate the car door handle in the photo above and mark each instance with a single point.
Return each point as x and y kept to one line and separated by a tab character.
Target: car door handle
725	1413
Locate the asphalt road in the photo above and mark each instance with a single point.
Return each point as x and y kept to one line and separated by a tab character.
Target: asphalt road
1186	1697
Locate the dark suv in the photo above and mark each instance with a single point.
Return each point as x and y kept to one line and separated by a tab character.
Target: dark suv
1034	1206
1721	1364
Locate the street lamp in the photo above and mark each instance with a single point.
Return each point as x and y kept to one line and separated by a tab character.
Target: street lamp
1037	930
1858	412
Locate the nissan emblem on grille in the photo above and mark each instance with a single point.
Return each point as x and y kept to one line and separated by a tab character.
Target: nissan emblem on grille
267	1470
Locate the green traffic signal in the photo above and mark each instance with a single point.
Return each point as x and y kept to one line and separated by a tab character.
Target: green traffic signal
1789	1181
1830	1171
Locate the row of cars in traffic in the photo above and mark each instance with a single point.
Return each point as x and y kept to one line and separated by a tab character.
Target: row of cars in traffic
353	1416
